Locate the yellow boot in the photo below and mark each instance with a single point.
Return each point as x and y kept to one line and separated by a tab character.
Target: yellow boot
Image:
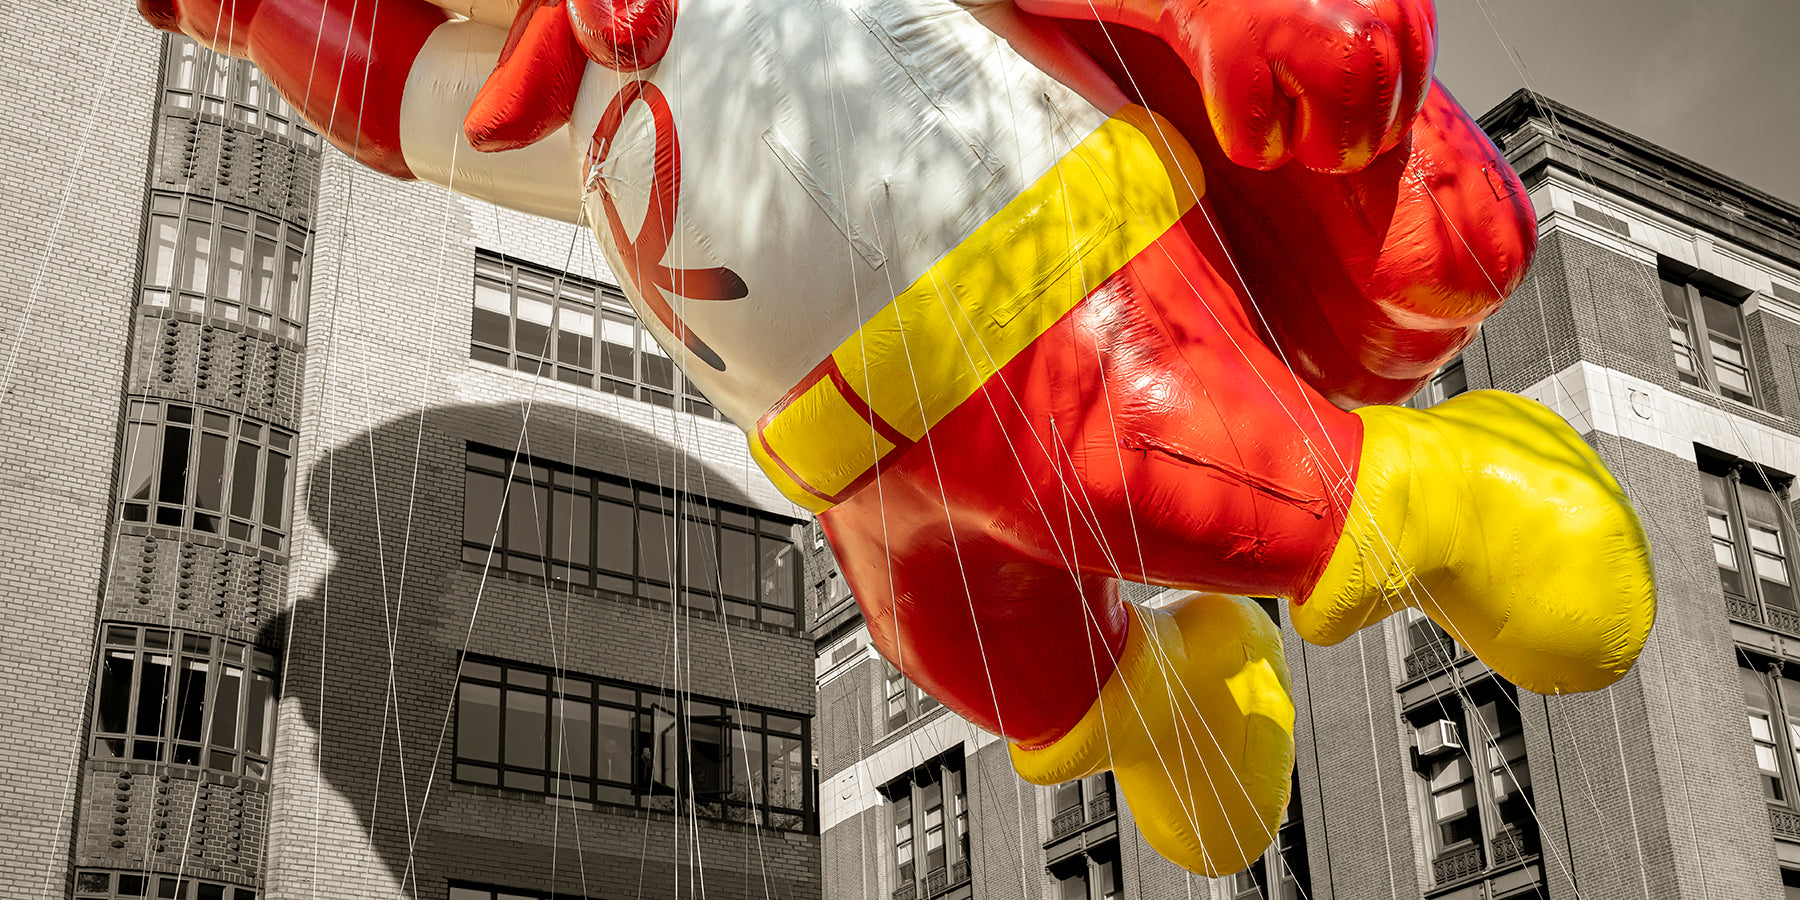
1490	514
1197	725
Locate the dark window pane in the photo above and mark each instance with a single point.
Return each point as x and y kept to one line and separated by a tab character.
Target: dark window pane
275	491
140	452
575	337
526	511
190	703
259	714
659	371
209	481
482	496
654	551
525	713
615	744
572	522
532	326
153	686
225	708
779	573
113	711
573	732
700	558
488	327
173	482
478	722
243	481
787	773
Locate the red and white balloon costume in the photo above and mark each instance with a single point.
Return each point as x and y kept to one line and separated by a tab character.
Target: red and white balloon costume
1026	297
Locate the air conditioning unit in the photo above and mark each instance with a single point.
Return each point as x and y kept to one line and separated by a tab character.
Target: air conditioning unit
1438	737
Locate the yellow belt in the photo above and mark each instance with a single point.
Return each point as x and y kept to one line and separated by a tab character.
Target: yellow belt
977	307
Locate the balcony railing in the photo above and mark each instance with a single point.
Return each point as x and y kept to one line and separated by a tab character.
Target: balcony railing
1431	657
1746	610
1066	822
1100	807
1784	823
907	891
1456	864
959	871
1514	842
936	881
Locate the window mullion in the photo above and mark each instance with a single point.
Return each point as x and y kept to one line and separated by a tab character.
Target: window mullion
1740	539
1701	339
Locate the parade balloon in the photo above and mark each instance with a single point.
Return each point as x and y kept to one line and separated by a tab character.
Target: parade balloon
1029	298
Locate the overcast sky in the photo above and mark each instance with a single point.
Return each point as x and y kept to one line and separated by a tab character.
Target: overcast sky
1717	81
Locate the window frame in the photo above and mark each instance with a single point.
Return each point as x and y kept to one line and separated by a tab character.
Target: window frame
771	538
256	671
649	711
197	80
907	794
1749	600
194	219
1095	799
601	304
903	701
145	498
1688	320
152	884
1481	754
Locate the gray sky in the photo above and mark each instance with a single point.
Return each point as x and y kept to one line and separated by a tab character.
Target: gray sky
1717	81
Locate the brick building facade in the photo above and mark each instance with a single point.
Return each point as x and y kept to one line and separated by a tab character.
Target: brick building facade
360	542
1662	318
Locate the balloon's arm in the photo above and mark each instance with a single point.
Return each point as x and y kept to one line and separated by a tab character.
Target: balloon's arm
390	83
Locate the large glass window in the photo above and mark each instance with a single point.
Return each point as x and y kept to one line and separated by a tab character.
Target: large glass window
1474	781
529	729
226	262
1089	875
189	699
928	812
1747	525
905	701
198	79
217	473
1282	872
105	884
1706	333
568	524
556	325
1074	805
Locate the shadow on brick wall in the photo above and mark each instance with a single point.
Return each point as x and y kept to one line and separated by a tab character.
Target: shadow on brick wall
389	504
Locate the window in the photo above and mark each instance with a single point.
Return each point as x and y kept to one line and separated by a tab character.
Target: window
529	729
1074	805
1448	381
554	521
100	884
1090	875
195	78
1748	527
551	324
183	698
1706	333
217	473
471	892
226	262
928	809
1429	648
1474	781
905	702
1282	873
1772	707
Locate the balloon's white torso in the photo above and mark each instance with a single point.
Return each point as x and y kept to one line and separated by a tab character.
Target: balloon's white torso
830	152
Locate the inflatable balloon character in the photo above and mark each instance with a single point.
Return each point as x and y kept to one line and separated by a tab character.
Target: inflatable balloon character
1027	297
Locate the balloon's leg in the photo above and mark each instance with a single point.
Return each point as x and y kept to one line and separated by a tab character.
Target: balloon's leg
1490	514
1197	726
